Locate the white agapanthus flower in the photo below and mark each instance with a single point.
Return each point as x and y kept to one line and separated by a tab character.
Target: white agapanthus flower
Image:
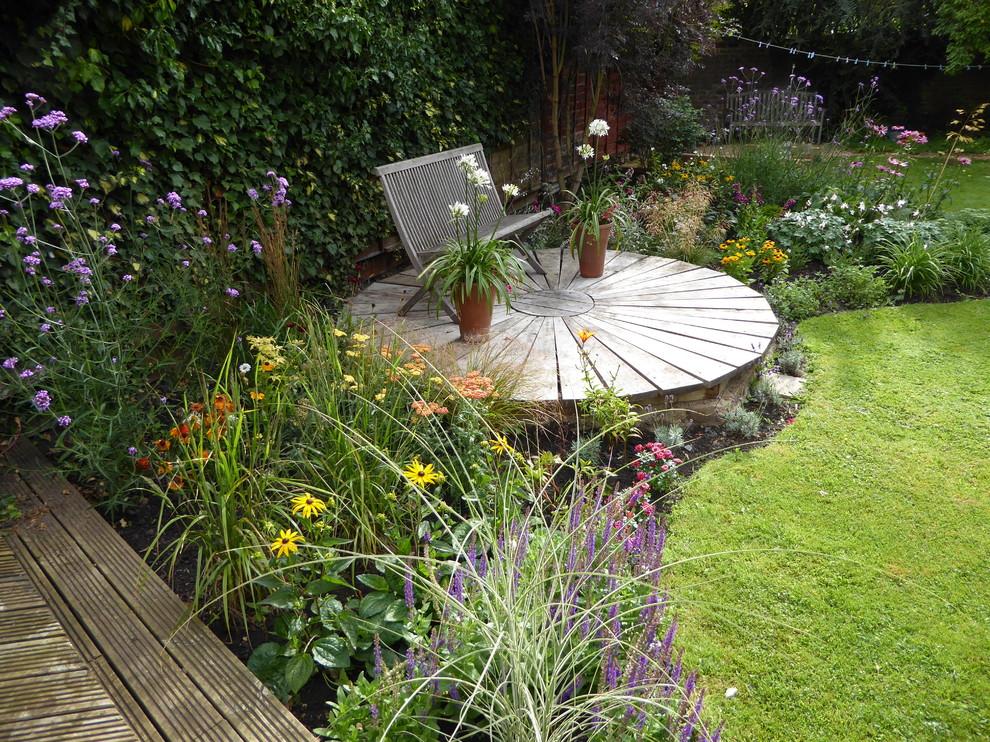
458	210
510	190
478	177
586	151
598	128
467	163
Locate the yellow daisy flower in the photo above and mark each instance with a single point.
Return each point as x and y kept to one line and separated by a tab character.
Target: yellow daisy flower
422	475
286	543
500	444
338	333
308	504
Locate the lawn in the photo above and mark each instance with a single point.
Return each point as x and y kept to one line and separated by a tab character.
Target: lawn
973	191
847	598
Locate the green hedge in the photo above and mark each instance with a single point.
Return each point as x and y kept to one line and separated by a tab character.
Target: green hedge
214	94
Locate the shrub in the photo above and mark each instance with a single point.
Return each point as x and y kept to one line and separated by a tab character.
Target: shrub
966	218
669	434
763	392
854	287
662	126
813	234
915	267
743	423
791	362
779	170
795	300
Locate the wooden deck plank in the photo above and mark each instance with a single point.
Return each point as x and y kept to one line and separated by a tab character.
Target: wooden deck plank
49	694
18	592
611	369
237	698
569	363
83	726
36	657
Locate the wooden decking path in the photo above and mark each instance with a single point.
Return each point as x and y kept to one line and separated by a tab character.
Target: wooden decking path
662	327
94	646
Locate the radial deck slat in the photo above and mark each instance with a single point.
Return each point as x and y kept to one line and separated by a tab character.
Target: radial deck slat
670	327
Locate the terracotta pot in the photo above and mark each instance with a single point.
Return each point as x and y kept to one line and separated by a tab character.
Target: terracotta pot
474	313
591	251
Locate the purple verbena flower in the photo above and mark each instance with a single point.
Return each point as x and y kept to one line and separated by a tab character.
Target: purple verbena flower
233	293
256	247
64	421
10	362
9	184
42	400
252	193
127	277
231	248
115	227
27	168
50	120
7	112
80	137
174	200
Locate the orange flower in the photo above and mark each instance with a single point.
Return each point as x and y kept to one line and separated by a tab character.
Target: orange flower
142	464
196	407
267	367
205	455
222	402
163	445
257	395
584	335
176	484
165	468
181	432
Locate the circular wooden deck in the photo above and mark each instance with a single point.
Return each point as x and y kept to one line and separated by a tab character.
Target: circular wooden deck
662	327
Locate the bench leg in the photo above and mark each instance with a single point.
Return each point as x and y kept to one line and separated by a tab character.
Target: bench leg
420	294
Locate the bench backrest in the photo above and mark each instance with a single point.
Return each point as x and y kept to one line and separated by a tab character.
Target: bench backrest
419	193
774	107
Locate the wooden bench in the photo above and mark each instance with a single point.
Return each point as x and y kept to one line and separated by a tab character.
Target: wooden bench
800	113
419	193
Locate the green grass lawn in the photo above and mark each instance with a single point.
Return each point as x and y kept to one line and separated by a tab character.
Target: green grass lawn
973	191
848	597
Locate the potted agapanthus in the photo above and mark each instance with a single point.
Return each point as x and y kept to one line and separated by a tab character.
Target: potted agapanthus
594	211
475	271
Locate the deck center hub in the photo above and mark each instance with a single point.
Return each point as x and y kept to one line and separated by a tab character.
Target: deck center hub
553	303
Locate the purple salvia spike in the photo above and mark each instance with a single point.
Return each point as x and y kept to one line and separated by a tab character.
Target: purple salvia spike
607	533
379	664
692	678
590	548
409	594
410	664
457	585
523	544
472	554
675	674
571	689
453	693
572	557
613	618
483	565
651	534
718	733
576	508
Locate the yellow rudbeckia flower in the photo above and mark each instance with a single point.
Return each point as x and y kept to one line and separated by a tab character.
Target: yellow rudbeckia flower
308	504
423	475
286	543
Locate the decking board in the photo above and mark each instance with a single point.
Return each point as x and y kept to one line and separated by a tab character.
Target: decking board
166	673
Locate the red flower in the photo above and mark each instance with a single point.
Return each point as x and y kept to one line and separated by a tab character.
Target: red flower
142	464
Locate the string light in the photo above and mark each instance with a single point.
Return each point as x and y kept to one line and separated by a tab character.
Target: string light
844	60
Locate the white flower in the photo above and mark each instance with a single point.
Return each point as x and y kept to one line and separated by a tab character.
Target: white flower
511	190
598	128
244	368
586	151
467	163
730	692
478	178
458	210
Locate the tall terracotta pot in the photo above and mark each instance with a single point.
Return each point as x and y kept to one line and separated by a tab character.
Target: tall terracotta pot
474	313
591	251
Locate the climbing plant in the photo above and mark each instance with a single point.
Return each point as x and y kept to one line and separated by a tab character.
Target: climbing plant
212	94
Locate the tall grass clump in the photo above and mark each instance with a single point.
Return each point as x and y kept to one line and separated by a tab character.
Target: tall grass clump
915	266
550	627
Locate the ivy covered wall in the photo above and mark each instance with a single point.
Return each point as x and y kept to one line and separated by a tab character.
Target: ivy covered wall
215	93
